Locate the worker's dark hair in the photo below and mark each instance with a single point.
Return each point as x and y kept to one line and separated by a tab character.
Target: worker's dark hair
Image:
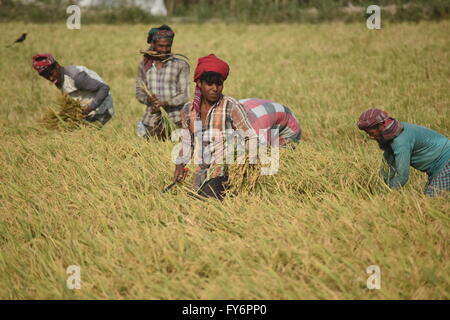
165	27
212	77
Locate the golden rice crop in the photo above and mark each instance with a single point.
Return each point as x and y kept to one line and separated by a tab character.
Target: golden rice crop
92	198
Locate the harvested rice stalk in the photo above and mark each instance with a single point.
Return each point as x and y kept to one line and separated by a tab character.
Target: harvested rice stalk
168	125
243	177
152	53
68	117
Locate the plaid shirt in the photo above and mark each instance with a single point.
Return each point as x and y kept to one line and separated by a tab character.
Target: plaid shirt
226	115
170	83
265	115
440	183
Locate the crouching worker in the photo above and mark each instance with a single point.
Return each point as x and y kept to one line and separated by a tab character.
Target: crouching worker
79	82
207	120
275	123
405	145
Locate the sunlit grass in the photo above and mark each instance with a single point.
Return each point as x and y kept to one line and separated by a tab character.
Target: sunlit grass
93	197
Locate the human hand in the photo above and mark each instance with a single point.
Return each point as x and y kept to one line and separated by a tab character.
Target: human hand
180	173
87	110
154	103
155	108
152	99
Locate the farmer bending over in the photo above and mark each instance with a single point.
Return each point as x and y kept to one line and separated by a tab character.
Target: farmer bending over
405	145
78	82
273	122
210	114
166	79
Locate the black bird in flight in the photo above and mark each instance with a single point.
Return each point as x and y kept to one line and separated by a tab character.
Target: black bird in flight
20	39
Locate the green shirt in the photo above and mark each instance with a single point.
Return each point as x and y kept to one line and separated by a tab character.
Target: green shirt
419	147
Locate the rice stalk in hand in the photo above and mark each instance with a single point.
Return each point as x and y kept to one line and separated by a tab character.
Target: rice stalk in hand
167	123
167	56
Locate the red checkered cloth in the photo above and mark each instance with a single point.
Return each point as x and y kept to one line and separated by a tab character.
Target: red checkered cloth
266	116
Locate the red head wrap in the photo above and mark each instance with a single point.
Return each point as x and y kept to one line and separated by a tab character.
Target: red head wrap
205	64
211	63
371	118
42	61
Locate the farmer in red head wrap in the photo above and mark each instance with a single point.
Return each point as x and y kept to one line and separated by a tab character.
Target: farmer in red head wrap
43	62
212	67
207	117
406	145
79	82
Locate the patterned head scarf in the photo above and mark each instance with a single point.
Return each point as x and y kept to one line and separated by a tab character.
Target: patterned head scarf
205	64
163	32
373	117
42	61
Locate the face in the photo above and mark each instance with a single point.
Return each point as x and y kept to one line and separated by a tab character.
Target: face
375	133
210	92
54	75
162	46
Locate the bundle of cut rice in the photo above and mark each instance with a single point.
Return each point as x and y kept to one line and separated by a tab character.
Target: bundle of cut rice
68	117
243	177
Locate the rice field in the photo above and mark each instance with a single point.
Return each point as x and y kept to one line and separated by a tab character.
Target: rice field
92	198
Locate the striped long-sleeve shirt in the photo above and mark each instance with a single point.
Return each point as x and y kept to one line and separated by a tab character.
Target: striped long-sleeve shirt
271	120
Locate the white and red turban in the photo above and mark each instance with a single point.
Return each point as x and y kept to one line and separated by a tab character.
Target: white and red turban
42	61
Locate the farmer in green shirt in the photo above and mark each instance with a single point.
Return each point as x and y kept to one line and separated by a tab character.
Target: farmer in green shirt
406	145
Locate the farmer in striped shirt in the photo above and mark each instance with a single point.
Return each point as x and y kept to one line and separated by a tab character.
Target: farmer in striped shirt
275	124
79	82
166	79
406	145
207	120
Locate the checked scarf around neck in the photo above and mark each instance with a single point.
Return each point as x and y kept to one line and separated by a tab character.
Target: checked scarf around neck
372	117
148	62
154	34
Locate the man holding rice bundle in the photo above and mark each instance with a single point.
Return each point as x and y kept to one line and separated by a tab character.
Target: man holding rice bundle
405	145
274	123
206	120
165	78
79	82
